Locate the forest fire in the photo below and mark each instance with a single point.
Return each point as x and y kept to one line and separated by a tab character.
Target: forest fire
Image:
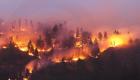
70	56
78	46
69	40
117	40
56	45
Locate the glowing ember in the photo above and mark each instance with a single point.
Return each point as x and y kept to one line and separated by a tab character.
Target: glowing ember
82	57
75	59
30	67
25	79
4	47
24	49
56	60
49	49
31	54
78	44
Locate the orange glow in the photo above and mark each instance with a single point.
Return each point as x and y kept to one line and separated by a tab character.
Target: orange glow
30	67
30	70
78	44
71	56
117	40
23	29
75	59
24	49
31	54
82	57
4	47
80	49
49	49
25	79
41	50
57	59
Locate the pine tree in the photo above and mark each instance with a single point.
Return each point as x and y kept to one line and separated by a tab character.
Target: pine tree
105	35
40	42
96	49
116	32
36	54
30	47
100	36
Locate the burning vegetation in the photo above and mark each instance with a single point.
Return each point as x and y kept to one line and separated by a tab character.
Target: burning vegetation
58	44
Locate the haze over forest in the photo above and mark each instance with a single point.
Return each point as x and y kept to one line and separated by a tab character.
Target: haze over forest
90	14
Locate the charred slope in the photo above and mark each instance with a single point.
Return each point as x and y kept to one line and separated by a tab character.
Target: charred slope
115	64
122	63
12	63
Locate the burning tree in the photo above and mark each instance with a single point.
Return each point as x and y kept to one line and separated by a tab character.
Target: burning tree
48	38
100	36
96	49
40	43
11	43
30	48
68	42
86	37
105	35
116	32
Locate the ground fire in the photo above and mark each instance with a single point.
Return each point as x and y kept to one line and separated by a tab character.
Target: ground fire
63	46
58	44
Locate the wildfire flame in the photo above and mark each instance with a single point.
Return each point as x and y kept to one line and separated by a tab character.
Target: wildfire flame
118	40
80	50
82	45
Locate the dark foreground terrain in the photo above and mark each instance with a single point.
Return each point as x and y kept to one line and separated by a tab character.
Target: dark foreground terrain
114	64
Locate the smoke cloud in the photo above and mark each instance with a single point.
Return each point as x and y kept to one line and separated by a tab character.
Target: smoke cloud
89	14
